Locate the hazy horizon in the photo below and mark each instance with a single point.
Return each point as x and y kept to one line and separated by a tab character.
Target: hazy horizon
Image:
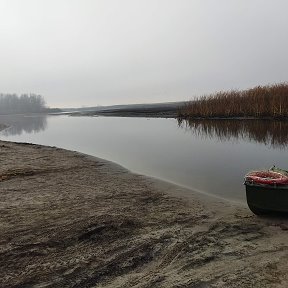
88	53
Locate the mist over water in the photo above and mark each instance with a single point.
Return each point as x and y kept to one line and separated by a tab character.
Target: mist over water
209	156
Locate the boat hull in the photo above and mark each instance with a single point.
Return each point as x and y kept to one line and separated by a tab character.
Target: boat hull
264	199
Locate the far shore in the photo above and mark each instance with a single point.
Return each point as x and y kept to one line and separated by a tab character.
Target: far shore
149	111
73	220
167	113
154	112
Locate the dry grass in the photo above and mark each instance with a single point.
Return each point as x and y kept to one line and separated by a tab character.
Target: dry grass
260	102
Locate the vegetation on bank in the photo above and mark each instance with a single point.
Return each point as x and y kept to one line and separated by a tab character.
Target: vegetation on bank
270	101
13	104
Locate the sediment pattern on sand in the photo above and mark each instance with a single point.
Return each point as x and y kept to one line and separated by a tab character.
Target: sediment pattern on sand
68	220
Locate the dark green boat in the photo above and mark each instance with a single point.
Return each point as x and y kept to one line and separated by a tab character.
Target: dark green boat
267	191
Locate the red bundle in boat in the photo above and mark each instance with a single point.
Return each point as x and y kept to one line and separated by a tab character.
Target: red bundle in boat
267	177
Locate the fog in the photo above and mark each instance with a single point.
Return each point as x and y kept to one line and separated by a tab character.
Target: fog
103	52
14	104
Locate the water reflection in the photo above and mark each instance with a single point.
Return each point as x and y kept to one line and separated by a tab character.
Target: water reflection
18	124
159	149
268	132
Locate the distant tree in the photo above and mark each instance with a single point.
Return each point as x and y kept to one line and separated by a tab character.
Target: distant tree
13	104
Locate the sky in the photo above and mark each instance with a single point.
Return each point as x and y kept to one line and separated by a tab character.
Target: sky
102	52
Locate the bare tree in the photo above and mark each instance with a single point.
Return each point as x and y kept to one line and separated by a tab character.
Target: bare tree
13	104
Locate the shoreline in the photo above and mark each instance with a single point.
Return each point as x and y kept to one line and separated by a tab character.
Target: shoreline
189	193
73	220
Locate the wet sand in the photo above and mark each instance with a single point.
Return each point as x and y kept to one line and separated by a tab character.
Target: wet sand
72	220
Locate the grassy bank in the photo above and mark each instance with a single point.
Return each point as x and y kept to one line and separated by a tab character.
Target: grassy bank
270	101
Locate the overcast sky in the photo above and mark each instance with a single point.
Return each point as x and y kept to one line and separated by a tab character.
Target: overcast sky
102	52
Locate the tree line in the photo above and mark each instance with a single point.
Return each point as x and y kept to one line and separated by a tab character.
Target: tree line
25	103
259	102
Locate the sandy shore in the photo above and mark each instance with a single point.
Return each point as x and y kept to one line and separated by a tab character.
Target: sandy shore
70	220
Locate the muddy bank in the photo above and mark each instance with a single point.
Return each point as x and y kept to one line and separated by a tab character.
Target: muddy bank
165	110
70	220
145	113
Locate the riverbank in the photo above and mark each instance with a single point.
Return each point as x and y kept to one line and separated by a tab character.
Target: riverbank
268	101
72	220
135	112
158	110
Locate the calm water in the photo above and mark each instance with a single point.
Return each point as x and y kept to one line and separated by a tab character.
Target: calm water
210	156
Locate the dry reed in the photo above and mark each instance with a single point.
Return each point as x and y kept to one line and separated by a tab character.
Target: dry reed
269	101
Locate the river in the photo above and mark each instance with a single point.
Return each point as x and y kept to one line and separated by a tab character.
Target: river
208	156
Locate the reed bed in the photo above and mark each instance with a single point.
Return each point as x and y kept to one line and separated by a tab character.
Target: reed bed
270	101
